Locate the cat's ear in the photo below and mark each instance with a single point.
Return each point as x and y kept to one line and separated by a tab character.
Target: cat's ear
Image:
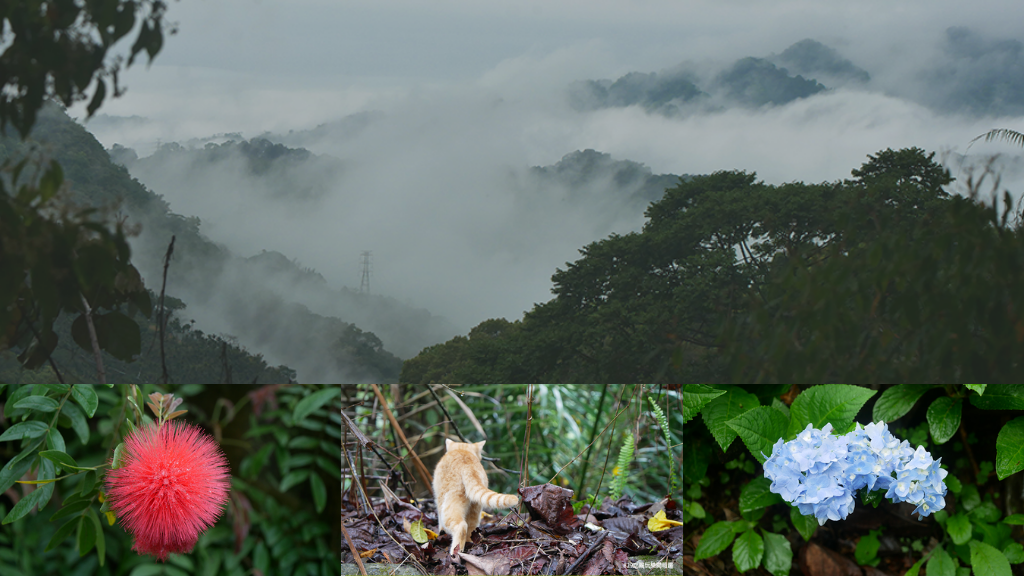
448	444
480	447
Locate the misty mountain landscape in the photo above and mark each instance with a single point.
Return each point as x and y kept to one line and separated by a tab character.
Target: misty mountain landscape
332	243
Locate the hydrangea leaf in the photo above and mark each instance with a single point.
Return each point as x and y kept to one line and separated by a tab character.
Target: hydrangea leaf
1014	552
805	525
748	551
695	460
837	404
953	483
1002	397
969	497
940	564
979	388
897	401
959	528
778	554
1014	519
760	429
724	408
695	396
988	560
986	512
915	569
867	548
1010	448
944	418
756	495
716	538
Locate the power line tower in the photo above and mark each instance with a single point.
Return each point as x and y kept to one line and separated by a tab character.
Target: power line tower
364	284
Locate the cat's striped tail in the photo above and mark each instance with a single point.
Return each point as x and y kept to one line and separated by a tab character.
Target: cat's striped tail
490	499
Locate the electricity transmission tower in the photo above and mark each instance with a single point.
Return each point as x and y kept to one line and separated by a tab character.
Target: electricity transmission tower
364	284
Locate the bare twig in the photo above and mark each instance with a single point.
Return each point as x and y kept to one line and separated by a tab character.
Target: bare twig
597	542
162	320
95	341
967	448
424	473
352	547
459	432
525	477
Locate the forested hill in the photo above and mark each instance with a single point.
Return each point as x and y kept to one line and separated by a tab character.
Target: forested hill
208	279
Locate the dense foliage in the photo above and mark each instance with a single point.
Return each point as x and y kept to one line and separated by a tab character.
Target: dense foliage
281	443
975	430
712	286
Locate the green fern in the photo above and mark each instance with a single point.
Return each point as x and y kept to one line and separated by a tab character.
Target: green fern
663	422
622	468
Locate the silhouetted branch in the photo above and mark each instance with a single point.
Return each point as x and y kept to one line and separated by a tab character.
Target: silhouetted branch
95	341
162	320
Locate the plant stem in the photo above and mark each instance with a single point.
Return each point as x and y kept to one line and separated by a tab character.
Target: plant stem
967	448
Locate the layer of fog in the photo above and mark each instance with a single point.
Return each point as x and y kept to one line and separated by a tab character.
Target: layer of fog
436	187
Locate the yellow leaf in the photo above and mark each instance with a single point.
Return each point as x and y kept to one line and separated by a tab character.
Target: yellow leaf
660	522
431	534
102	498
368	553
110	518
418	533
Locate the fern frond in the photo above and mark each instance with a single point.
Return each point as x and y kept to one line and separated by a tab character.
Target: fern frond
625	457
1011	136
663	422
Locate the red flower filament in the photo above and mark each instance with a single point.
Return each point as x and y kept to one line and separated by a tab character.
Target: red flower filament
172	486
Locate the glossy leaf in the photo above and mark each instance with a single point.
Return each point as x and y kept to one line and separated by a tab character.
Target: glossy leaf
1010	448
86	398
86	535
62	534
292	478
940	564
695	397
1014	552
30	429
756	495
101	545
38	403
724	408
759	429
70	508
895	402
24	506
778	554
748	551
837	404
716	538
959	528
1002	397
805	525
944	418
77	420
987	560
319	492
60	458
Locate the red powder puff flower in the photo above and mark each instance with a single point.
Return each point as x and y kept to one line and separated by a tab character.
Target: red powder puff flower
171	487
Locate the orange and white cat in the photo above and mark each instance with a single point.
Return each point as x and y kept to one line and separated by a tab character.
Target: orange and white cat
460	490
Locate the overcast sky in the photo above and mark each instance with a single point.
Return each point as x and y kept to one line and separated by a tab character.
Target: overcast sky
473	87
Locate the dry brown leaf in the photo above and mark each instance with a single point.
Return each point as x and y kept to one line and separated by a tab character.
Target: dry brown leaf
490	565
368	553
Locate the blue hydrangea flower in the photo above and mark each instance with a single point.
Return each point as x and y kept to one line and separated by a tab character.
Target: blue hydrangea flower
819	472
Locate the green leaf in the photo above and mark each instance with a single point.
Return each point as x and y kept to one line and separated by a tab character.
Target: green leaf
70	508
24	506
319	492
944	418
695	396
86	397
915	569
897	401
261	558
61	458
953	483
760	428
88	481
805	525
147	570
778	554
310	403
1001	397
77	419
959	528
1010	448
724	408
986	512
748	551
30	429
781	407
867	548
18	465
293	478
987	560
86	535
40	403
54	441
1017	519
756	495
303	443
940	564
1014	552
696	510
979	388
837	404
695	459
118	460
969	497
716	538
101	545
62	534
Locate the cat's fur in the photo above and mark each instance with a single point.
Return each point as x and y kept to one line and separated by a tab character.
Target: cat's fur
460	490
